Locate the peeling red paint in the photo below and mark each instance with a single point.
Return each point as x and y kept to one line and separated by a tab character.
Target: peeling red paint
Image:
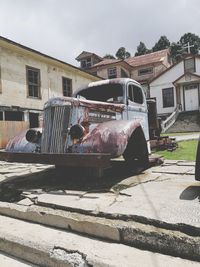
108	137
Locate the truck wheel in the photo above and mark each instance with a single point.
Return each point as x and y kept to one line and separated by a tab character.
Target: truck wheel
136	153
197	165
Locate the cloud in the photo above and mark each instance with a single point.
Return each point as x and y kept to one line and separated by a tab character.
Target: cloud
63	28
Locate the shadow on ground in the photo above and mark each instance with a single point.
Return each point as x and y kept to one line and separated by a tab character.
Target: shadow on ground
53	179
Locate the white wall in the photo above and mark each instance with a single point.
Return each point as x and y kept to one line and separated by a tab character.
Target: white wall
166	81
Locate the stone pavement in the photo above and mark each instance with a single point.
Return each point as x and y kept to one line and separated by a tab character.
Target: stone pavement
157	210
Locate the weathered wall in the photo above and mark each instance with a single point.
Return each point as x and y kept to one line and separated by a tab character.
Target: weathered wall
13	61
8	129
165	81
157	68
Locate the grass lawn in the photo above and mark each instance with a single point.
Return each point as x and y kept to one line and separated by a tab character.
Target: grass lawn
186	151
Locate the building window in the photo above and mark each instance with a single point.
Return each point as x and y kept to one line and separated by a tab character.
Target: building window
112	73
145	71
14	116
189	65
67	86
86	63
33	81
168	97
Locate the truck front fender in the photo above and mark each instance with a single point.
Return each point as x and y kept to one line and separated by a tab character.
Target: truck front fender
108	137
19	143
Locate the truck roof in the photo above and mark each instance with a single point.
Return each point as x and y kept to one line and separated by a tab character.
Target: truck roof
108	81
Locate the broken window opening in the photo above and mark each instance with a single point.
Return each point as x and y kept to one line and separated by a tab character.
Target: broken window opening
33	120
33	81
67	86
112	93
112	73
14	116
1	115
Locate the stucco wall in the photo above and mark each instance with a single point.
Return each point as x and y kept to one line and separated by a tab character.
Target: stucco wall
13	63
165	81
157	68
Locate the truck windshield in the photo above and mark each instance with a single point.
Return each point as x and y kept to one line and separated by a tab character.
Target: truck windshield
112	93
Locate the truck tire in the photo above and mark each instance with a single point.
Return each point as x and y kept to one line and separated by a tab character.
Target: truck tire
197	165
136	153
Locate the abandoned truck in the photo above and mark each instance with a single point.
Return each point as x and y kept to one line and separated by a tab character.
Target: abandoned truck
105	120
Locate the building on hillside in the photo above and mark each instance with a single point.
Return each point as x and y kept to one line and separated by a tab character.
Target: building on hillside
111	68
29	78
141	68
178	87
88	59
148	66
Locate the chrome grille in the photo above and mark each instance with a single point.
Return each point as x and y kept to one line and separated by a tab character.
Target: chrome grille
56	120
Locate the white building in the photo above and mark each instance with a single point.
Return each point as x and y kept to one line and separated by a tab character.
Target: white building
178	86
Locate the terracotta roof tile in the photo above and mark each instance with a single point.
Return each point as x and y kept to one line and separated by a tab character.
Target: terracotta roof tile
148	58
106	62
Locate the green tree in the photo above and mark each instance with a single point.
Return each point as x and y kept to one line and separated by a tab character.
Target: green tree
191	39
109	56
176	52
141	49
122	53
162	43
179	49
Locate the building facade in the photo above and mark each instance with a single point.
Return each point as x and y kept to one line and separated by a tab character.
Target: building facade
178	87
141	68
29	78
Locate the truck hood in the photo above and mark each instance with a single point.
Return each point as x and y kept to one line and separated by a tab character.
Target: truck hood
61	101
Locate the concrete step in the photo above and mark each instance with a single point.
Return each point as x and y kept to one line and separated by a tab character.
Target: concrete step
176	240
9	261
186	122
45	246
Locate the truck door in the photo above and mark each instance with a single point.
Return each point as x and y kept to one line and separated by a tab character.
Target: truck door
136	106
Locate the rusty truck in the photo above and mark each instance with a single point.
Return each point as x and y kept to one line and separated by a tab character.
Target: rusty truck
105	120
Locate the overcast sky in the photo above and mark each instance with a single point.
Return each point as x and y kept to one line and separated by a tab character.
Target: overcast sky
64	28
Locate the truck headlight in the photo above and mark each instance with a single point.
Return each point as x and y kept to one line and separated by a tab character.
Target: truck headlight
76	131
33	136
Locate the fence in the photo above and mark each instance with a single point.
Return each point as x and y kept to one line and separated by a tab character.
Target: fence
9	129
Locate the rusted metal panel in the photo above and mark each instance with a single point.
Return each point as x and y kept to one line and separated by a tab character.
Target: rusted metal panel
82	160
108	137
8	129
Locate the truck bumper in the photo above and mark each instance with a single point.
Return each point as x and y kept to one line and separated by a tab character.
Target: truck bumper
94	160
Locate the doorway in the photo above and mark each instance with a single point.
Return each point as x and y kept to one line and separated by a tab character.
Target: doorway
191	97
